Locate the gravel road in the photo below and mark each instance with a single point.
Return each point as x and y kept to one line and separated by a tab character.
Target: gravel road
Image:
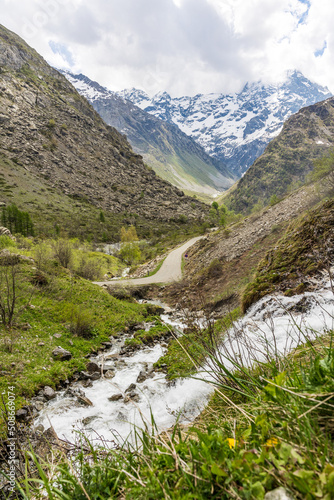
169	271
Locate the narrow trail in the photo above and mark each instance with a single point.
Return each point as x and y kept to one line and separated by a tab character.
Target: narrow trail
169	271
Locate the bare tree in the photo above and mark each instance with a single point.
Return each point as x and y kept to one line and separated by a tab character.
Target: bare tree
13	298
63	251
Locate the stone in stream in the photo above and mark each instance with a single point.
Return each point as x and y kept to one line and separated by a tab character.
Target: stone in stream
89	376
106	368
89	420
49	393
132	396
61	354
92	367
131	388
86	383
83	400
109	374
142	376
116	397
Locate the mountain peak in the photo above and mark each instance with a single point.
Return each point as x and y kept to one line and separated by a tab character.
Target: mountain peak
236	128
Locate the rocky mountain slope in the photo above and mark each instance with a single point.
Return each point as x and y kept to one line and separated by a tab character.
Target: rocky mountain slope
234	128
54	134
307	135
174	155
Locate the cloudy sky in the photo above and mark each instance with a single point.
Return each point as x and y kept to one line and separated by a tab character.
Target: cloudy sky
181	46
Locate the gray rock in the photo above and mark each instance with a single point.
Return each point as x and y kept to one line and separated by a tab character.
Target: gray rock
84	401
61	354
89	420
86	383
131	387
132	396
142	376
49	393
92	367
115	397
107	368
57	335
39	405
278	494
106	344
21	414
109	374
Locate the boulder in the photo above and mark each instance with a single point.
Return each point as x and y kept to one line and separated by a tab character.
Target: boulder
115	397
142	376
21	414
92	367
131	388
49	393
61	354
109	374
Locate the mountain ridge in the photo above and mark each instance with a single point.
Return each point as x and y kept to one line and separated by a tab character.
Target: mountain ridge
234	128
174	155
55	134
288	159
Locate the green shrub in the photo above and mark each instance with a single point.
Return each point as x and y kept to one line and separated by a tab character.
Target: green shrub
81	322
89	268
6	242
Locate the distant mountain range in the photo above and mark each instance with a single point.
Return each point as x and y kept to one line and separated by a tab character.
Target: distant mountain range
174	155
234	129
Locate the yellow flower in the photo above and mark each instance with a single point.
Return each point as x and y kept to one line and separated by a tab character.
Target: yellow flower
272	442
231	442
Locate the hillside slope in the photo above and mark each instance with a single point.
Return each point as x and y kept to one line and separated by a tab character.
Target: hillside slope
54	134
234	128
306	136
175	156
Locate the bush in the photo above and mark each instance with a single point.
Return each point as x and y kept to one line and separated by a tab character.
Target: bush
63	252
81	322
6	242
89	268
130	253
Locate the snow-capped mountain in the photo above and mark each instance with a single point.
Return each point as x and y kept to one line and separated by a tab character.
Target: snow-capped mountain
234	128
174	155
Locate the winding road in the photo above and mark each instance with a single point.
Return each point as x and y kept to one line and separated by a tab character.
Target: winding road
169	271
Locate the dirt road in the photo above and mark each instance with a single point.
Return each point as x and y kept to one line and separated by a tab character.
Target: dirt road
169	271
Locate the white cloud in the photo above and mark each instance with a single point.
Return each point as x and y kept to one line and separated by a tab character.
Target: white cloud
182	46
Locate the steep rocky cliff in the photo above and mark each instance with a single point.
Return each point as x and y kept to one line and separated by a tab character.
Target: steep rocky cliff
54	134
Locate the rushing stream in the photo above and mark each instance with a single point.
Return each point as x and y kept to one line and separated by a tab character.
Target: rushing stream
271	327
113	414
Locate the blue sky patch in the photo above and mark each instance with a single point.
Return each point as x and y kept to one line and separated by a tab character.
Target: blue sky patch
61	49
319	53
304	16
